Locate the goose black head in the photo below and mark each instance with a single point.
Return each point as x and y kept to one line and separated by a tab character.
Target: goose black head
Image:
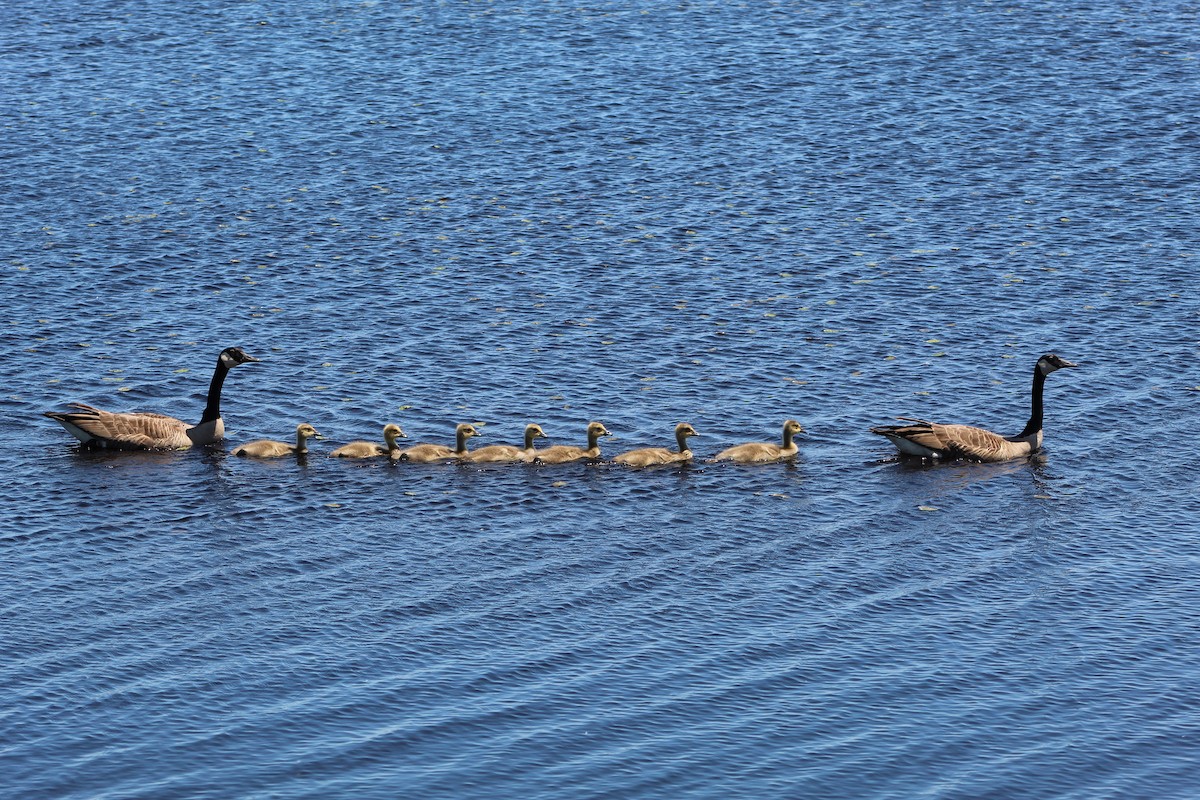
232	356
1051	362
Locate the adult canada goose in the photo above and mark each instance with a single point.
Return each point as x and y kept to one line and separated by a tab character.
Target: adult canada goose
764	452
429	453
362	449
934	440
507	452
564	453
648	456
267	448
143	430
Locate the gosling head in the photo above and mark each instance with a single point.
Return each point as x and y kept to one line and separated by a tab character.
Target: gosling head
467	431
685	430
306	431
392	431
598	429
232	356
791	428
535	431
1051	362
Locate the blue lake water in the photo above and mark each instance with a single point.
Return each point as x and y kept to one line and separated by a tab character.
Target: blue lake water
640	213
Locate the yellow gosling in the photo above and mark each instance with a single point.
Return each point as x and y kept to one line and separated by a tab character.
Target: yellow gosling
564	454
507	453
268	448
361	449
649	456
764	452
433	453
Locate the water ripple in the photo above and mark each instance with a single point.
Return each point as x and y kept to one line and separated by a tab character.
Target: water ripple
504	215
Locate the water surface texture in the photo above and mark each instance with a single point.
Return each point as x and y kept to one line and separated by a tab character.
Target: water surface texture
641	213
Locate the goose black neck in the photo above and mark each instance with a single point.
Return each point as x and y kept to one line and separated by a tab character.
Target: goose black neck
787	439
1035	417
460	441
593	440
529	439
681	439
212	411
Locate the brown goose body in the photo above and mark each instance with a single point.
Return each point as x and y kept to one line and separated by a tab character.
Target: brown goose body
134	430
506	453
363	449
935	440
651	456
268	448
565	453
144	430
764	452
433	453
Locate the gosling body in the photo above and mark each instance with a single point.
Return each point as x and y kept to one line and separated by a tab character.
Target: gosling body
364	449
651	456
565	453
269	448
764	452
506	453
433	453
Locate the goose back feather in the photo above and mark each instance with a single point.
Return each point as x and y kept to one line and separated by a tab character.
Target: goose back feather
132	430
934	440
